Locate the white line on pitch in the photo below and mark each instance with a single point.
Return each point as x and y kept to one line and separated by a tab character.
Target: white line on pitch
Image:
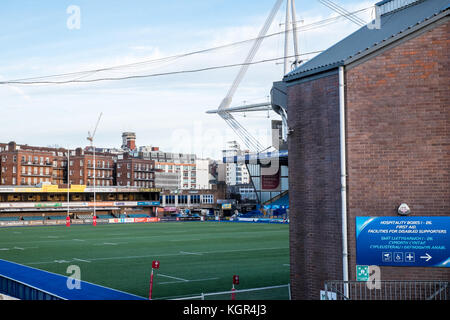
180	279
195	280
162	255
76	259
106	244
194	253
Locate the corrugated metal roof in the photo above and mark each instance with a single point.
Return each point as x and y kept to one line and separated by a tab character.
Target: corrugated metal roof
392	24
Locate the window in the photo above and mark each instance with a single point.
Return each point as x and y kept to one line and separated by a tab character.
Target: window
182	199
208	198
195	198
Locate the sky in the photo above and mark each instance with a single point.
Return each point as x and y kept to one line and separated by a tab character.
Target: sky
40	38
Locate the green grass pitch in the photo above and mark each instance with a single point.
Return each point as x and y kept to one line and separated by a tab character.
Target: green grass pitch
195	257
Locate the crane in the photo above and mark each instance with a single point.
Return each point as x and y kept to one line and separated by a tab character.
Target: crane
91	139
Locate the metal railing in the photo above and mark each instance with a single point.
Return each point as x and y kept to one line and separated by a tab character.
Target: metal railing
281	292
387	290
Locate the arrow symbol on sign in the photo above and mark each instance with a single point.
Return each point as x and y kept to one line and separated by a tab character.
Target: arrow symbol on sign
427	257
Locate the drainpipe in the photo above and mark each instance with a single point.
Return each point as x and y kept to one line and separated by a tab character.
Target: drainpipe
343	179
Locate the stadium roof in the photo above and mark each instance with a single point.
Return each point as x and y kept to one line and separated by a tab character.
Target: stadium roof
398	18
259	158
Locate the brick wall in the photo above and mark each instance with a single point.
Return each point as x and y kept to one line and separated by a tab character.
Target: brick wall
314	186
398	138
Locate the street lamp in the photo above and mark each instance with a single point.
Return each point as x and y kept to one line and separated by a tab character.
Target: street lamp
91	139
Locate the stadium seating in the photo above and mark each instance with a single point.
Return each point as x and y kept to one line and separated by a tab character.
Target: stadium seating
252	214
282	202
57	217
9	218
105	216
84	216
32	218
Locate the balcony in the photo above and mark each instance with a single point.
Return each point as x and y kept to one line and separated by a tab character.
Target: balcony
36	175
36	163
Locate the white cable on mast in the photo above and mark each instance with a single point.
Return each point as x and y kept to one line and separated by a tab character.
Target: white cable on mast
287	25
350	16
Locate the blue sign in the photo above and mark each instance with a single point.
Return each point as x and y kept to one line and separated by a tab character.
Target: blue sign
148	203
403	241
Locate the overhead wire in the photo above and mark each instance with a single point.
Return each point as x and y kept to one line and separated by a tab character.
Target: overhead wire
80	80
83	74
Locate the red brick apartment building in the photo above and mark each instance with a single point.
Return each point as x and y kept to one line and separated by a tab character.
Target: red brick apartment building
135	172
29	165
81	168
393	83
26	165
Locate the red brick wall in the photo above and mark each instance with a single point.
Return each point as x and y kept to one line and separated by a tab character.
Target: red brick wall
398	138
314	186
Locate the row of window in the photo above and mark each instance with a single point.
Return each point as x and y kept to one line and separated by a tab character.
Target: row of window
187	199
137	166
138	175
142	184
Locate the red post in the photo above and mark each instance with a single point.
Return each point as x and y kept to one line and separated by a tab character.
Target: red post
155	265
94	220
151	286
235	282
67	221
